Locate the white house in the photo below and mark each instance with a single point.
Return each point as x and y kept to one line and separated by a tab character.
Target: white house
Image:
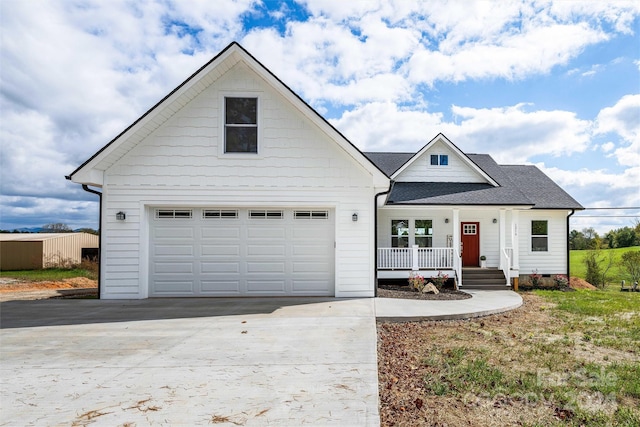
512	216
233	186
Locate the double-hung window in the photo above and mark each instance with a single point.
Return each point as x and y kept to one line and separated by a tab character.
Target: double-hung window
399	233
406	233
423	233
439	160
539	236
240	125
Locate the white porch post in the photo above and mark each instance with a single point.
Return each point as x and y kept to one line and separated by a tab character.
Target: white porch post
415	265
514	239
503	236
457	261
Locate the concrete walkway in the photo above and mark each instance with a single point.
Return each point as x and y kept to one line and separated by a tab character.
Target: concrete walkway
482	303
227	361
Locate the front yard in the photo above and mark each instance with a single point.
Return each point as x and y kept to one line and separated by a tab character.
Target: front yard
563	358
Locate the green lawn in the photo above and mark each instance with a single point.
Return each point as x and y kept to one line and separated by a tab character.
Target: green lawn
50	274
607	317
615	275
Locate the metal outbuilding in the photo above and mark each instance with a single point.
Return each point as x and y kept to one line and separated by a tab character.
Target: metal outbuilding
32	251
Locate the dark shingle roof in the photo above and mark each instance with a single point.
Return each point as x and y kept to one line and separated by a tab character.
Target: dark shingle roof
454	193
539	188
518	185
389	162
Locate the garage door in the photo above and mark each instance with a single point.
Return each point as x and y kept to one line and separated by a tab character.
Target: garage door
233	252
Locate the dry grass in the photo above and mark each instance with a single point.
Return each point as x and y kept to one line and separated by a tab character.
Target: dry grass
515	368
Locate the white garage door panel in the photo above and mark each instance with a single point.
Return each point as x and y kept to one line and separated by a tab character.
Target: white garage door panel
241	256
174	287
268	287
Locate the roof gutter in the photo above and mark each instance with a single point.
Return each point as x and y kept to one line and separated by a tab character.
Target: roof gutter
569	247
375	237
89	190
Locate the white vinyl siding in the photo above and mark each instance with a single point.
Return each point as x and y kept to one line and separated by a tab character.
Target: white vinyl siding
456	170
552	261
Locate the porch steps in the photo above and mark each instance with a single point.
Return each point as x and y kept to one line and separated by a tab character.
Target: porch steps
483	279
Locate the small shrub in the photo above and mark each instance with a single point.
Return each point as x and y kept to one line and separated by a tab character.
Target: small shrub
561	281
440	280
535	279
416	281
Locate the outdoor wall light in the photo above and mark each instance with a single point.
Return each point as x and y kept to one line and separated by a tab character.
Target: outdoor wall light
495	221
121	216
446	220
354	217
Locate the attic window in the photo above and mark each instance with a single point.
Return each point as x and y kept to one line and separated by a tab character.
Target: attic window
439	159
240	125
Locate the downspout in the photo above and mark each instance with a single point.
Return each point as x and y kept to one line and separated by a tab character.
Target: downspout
569	247
89	190
375	237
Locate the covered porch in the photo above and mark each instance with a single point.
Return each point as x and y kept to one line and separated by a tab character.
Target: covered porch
433	240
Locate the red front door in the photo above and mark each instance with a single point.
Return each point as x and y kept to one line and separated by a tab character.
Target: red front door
470	232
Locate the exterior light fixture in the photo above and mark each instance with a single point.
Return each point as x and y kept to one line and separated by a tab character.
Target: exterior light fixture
495	221
354	217
121	216
446	220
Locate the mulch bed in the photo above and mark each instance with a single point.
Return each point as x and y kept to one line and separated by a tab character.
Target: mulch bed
404	292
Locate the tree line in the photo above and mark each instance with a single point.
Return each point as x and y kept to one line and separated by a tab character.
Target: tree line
57	227
588	238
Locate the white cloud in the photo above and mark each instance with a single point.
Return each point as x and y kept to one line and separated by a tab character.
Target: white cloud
74	74
514	135
395	129
623	119
607	146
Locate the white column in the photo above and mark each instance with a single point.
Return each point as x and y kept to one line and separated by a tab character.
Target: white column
457	261
503	230
514	239
456	229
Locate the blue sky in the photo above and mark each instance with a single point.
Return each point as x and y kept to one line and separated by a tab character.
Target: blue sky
555	84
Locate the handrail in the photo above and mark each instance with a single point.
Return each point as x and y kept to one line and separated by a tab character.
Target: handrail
505	265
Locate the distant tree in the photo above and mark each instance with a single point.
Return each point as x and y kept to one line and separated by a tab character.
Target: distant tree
591	238
577	240
625	237
56	228
630	263
88	230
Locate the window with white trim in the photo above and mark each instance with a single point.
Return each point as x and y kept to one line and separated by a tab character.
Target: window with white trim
423	233
219	214
399	233
311	215
174	213
265	214
539	236
240	125
439	160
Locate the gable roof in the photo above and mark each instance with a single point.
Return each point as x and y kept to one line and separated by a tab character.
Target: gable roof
465	159
539	188
90	172
518	185
389	162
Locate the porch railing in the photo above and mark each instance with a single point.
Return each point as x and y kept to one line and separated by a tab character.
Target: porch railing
415	258
506	255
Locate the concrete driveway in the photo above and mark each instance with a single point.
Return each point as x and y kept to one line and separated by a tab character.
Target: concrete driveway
284	361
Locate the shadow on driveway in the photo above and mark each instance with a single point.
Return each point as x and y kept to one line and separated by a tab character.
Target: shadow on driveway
55	312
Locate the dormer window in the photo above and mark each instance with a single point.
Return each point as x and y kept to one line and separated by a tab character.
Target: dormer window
439	160
241	125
